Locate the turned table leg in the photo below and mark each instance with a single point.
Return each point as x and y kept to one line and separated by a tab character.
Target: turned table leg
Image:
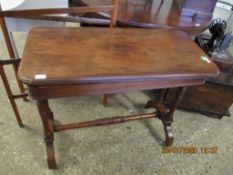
47	121
168	118
166	114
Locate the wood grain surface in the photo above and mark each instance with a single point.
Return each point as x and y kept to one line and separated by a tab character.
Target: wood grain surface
88	55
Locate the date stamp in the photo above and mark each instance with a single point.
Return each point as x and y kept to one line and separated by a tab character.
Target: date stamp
190	150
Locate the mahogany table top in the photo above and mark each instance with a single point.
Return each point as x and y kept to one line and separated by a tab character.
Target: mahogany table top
99	55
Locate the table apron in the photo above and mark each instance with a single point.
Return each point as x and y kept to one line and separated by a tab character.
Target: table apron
56	91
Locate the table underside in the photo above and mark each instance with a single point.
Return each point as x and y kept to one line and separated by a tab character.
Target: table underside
165	114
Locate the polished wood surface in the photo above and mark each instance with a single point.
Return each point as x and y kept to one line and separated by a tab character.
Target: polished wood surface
105	55
159	14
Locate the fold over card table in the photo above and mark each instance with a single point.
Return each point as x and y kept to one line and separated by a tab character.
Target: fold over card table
64	62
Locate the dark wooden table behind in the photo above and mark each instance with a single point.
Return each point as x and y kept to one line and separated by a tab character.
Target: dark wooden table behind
185	15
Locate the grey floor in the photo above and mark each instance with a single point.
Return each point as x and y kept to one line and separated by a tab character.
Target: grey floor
130	148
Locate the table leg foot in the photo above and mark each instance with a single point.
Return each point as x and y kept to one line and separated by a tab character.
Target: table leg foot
169	135
50	156
166	114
